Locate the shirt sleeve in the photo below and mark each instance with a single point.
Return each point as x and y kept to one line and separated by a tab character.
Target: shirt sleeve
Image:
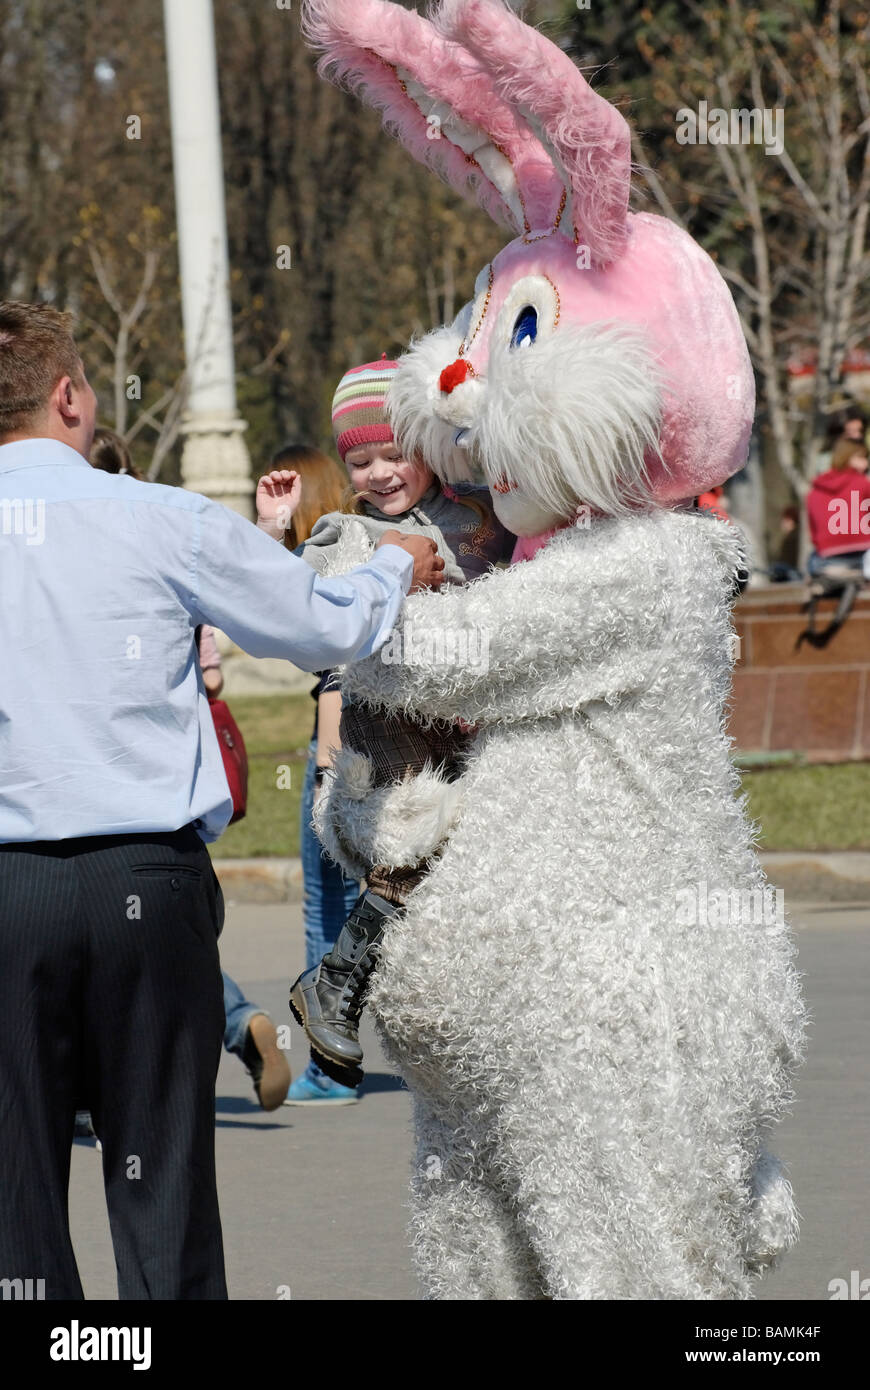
271	603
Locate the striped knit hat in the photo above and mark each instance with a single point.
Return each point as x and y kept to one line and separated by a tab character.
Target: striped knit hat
359	413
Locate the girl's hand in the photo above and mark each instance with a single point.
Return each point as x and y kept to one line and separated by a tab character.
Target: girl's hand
278	495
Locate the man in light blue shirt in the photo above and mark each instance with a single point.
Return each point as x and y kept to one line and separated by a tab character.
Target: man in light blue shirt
111	779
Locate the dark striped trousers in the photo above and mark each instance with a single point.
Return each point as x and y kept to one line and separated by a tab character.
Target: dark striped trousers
111	1000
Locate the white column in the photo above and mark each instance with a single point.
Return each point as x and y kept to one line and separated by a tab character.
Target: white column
215	459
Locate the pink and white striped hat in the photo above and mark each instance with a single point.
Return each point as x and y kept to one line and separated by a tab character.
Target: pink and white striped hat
359	414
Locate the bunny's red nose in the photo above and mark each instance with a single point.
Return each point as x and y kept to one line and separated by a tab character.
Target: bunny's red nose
454	375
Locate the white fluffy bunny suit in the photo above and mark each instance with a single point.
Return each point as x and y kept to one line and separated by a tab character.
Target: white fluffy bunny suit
594	1066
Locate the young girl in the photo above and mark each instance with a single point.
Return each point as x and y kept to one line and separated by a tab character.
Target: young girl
387	492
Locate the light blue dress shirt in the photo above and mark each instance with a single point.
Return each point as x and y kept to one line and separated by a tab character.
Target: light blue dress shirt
104	723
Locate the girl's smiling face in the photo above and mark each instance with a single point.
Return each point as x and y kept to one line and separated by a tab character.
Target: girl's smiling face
386	479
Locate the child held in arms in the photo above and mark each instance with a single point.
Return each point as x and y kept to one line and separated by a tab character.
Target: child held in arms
387	492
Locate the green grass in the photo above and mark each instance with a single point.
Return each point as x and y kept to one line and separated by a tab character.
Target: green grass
811	808
799	807
277	731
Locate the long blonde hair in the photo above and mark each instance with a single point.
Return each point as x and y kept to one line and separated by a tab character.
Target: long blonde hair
323	485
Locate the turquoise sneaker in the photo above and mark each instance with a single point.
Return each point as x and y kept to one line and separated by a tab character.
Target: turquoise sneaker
314	1088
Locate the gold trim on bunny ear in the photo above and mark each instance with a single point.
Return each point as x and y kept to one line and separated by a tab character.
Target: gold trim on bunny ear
528	238
542	236
470	158
464	346
562	206
511	212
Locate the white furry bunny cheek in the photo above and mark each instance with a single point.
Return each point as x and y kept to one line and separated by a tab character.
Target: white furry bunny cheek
568	419
522	515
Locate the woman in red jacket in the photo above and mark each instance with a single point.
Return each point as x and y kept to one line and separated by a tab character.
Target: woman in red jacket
838	507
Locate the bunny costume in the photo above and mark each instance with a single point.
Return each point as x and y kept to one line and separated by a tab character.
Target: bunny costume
589	995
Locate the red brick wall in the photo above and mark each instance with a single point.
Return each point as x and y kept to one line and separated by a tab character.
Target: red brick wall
809	699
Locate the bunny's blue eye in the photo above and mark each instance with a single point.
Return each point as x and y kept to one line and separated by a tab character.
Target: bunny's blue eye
526	328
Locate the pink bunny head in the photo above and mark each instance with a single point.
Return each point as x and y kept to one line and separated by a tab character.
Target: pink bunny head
602	360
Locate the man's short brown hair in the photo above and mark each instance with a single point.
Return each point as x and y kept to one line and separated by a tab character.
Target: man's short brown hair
37	348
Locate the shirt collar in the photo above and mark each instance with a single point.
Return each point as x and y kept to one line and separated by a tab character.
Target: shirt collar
32	453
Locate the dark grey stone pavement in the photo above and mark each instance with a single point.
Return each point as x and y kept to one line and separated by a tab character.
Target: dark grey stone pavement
315	1202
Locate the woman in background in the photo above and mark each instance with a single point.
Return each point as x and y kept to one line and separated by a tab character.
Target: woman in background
837	507
328	895
249	1032
109	453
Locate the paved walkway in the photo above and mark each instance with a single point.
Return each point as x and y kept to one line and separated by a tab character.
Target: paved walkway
315	1201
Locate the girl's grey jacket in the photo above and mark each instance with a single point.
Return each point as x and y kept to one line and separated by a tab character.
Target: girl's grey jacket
360	823
468	544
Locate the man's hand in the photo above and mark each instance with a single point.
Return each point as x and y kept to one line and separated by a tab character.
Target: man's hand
428	565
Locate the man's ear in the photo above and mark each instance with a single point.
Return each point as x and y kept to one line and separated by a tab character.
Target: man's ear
64	399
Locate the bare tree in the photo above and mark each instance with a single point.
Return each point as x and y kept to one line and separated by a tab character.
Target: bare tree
127	317
791	226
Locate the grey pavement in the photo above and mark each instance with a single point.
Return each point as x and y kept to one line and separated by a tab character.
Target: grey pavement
804	876
314	1202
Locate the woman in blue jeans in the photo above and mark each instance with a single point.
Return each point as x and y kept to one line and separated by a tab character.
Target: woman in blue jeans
328	899
328	896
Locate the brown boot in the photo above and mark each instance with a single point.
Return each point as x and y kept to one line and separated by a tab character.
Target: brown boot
266	1062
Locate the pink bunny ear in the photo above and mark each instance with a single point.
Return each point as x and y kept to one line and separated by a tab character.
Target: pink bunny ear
444	108
588	139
